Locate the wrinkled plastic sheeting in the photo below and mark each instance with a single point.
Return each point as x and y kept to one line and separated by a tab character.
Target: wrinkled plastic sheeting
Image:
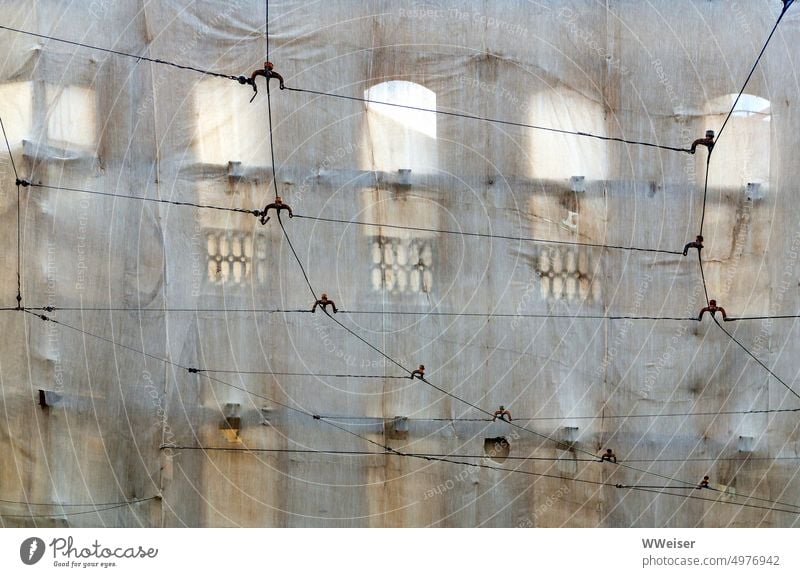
130	426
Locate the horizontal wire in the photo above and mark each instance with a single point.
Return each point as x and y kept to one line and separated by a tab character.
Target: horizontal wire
488	119
509	458
361	223
158	358
162	310
145	199
257	212
354	98
120	53
487	235
361	312
582	417
623	486
31	503
711	488
105	339
161	359
282	374
718	500
761	318
515	315
73	513
336	375
448	459
707	460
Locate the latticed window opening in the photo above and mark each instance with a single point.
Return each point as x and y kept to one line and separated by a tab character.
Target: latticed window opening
234	257
567	274
402	266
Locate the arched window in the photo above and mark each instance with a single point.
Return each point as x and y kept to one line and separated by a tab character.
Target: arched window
561	156
742	154
400	138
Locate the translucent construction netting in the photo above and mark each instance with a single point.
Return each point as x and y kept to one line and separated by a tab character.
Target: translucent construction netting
167	370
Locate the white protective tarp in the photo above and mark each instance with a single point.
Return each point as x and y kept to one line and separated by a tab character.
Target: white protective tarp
122	426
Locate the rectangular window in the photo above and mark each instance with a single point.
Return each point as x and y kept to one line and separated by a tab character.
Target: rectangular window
17	99
71	116
400	138
229	128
